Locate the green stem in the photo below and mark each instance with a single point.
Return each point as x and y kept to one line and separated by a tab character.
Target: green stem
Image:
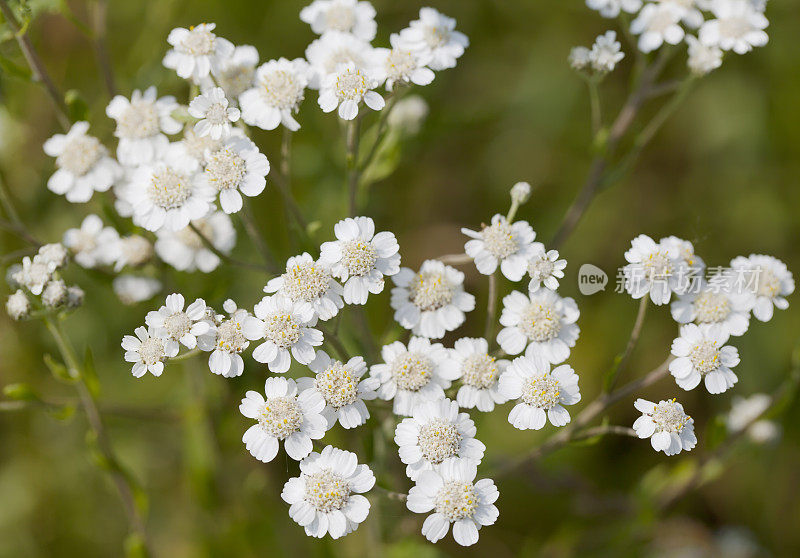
351	164
250	226
491	309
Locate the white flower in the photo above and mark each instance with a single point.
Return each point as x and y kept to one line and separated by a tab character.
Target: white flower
689	261
657	269
401	64
544	268
541	393
84	166
54	253
142	122
478	371
669	428
284	415
503	243
226	342
236	168
658	24
308	281
520	192
168	192
543	321
579	57
284	326
88	243
346	16
612	8
340	385
55	294
185	251
431	302
326	497
236	74
408	114
334	48
411	376
702	58
739	26
434	35
360	258
196	146
214	113
147	352
701	353
197	51
745	413
719	301
606	52
276	95
435	432
451	493
18	306
131	289
346	87
768	279
35	273
133	251
174	325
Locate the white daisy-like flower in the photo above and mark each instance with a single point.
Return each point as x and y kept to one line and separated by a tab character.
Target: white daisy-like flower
226	341
401	64
195	146
501	243
236	168
701	354
132	289
215	116
286	414
326	497
175	325
719	301
142	122
657	24
451	493
360	258
579	57
347	16
346	87
197	51
606	52
612	8
478	371
544	268
308	281
436	431
340	384
744	414
83	164
333	48
236	74
18	306
432	302
279	88
669	428
185	251
413	375
284	325
169	192
655	268
543	322
737	26
691	262
702	58
540	392
87	243
434	35
34	274
768	279
133	251
147	352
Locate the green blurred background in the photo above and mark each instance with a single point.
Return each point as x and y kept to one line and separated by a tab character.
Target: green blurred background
723	173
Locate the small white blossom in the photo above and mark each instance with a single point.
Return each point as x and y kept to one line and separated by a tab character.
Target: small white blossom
88	244
768	279
501	243
134	251
185	251
612	8
83	164
308	281
175	325
147	352
658	269
738	26
606	52
669	428
236	168
35	274
279	88
702	58
701	354
360	258
520	192
745	413
226	341
197	51
131	289
18	306
326	497
434	35
347	16
215	116
544	268
195	146
55	294
436	431
719	301
413	375
54	253
657	24
478	371
346	87
325	54
404	65
408	114
579	57
237	72
451	493
285	414
432	302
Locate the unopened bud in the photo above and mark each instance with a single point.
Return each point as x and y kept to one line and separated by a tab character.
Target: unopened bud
18	306
520	192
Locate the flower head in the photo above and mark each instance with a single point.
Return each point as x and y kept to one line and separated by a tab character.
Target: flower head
18	306
669	428
702	58
175	325
236	168
236	74
147	352
478	372
185	250
131	289
346	16
308	281
325	54
88	242
215	116
657	24
544	268
719	301
402	64
655	268
226	341
434	35
612	8
701	353
197	51
501	243
768	279
606	52
35	273
278	89
346	87
738	25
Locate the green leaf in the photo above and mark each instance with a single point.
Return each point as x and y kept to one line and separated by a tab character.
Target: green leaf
20	392
59	371
135	546
77	107
64	412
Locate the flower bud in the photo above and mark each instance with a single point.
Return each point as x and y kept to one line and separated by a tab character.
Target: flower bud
18	306
520	192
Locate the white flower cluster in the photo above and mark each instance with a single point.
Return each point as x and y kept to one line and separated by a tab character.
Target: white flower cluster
710	311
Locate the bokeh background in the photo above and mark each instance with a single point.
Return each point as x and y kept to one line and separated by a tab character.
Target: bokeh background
724	173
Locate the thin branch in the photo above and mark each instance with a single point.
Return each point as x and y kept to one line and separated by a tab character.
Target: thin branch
622	360
335	342
491	309
351	164
284	182
373	150
250	226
